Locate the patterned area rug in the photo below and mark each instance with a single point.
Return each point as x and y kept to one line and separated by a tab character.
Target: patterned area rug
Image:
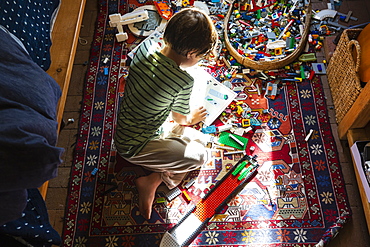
297	198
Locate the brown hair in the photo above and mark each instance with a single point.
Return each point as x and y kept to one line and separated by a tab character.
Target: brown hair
190	30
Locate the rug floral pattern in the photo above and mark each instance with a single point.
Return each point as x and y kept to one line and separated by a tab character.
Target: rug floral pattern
295	199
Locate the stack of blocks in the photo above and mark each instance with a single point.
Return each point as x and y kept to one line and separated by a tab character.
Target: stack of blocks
188	228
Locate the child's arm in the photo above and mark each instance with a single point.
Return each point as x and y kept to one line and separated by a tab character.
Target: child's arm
194	117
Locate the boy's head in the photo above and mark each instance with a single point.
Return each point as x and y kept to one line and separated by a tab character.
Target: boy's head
190	31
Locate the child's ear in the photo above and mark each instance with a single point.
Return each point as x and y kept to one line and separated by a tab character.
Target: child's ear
191	54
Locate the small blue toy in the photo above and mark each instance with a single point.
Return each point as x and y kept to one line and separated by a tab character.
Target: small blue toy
94	171
209	129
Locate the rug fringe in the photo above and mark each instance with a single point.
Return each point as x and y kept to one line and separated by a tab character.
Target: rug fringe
333	231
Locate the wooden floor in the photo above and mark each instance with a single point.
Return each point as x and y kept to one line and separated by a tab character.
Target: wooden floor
355	232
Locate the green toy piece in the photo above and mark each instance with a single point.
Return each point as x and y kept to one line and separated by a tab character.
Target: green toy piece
239	167
232	140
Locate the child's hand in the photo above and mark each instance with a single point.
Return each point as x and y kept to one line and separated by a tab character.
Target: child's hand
197	115
194	117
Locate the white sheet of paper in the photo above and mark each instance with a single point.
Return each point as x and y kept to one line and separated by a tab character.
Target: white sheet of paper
210	93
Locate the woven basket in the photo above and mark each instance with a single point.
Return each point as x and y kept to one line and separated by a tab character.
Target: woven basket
342	73
267	65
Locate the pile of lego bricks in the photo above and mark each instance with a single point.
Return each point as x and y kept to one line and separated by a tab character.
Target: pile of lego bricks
269	35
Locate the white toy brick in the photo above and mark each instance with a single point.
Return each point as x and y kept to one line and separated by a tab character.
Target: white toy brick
121	37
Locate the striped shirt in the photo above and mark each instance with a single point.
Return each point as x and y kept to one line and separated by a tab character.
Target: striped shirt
155	86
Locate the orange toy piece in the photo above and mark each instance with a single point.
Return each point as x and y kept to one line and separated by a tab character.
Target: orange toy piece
164	9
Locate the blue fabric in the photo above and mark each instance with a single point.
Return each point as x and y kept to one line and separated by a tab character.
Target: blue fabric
33	227
28	127
31	21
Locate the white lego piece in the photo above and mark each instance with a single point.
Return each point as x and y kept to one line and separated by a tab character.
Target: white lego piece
234	152
236	140
309	135
224	147
326	13
201	5
276	44
172	194
319	68
224	127
121	36
239	131
295	2
118	20
248	129
114	18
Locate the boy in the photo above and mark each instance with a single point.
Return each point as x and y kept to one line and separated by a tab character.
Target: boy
156	86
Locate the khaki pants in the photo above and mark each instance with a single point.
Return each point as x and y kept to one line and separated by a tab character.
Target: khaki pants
181	151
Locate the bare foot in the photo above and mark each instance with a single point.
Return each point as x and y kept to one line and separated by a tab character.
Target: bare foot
147	187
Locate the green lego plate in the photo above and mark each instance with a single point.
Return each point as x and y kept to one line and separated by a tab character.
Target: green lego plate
226	139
